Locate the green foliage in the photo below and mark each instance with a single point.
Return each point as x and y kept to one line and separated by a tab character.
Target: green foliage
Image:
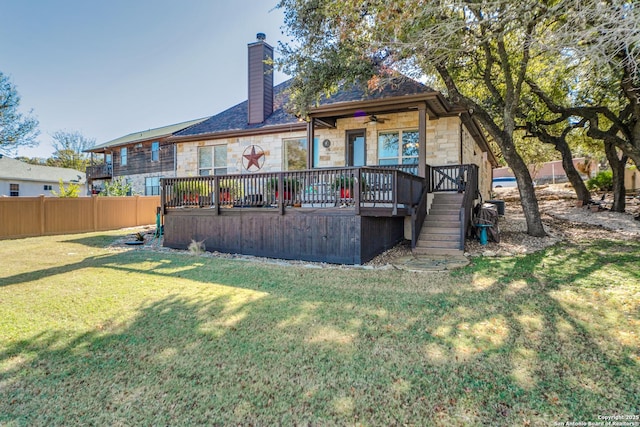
346	182
288	184
16	129
603	181
232	187
118	187
72	190
70	147
199	188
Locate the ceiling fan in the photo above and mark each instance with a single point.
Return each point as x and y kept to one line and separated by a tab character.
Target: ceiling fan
375	119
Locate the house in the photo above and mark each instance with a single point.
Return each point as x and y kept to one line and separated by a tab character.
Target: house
20	179
141	158
394	163
381	166
553	172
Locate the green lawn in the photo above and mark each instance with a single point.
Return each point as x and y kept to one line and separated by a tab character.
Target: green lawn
89	335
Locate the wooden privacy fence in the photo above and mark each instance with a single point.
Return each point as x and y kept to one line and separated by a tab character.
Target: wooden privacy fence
39	216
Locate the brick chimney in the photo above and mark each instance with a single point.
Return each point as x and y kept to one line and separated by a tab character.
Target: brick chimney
260	80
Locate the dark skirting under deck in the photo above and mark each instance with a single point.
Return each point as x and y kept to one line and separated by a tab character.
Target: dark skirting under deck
323	235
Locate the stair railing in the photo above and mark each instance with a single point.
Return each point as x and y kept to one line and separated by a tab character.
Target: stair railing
470	192
418	215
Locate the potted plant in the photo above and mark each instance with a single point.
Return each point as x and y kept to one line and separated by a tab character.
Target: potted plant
230	190
290	187
345	185
191	193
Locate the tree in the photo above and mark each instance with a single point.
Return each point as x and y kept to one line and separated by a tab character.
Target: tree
16	129
599	43
69	150
479	51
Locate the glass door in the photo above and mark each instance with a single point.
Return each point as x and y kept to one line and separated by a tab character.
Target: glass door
356	148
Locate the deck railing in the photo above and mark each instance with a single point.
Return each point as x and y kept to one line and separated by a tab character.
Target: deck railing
357	187
99	171
449	178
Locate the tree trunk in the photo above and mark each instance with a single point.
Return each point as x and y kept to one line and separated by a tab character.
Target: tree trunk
572	174
525	187
617	166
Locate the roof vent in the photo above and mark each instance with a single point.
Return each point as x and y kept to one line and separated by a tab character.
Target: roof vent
261	36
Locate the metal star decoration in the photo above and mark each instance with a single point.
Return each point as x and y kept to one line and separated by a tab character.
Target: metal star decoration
253	157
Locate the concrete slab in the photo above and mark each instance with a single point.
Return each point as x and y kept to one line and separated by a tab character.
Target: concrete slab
420	263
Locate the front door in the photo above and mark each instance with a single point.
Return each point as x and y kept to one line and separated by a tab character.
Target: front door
356	148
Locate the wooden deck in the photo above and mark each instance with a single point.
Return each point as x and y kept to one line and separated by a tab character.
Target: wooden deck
337	215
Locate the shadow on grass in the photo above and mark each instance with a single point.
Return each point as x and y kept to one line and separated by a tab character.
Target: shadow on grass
93	240
289	346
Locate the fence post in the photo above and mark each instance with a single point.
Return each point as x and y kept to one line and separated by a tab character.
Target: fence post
94	203
42	215
137	198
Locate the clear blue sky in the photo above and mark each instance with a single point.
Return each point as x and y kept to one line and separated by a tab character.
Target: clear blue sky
109	68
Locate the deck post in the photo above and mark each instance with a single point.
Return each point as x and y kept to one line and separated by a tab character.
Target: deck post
216	195
395	193
356	190
422	139
281	193
310	147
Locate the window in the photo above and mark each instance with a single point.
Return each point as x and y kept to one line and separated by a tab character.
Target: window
14	190
152	186
48	187
392	152
123	156
212	160
295	153
155	151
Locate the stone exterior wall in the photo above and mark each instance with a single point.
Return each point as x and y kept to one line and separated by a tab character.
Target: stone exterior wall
443	141
137	181
443	146
471	154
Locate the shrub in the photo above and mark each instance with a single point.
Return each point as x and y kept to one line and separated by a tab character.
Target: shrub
73	190
603	181
118	187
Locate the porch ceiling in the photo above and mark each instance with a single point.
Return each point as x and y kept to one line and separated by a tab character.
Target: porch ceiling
436	106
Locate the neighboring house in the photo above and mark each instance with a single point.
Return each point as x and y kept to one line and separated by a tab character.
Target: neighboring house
553	172
380	165
20	179
141	158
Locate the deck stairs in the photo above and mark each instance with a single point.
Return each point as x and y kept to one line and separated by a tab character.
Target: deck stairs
440	234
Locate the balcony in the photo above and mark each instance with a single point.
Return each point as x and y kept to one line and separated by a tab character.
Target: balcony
103	171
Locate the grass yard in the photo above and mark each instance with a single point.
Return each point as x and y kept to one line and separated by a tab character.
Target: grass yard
91	335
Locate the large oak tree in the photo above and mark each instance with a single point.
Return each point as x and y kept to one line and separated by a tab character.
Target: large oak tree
479	52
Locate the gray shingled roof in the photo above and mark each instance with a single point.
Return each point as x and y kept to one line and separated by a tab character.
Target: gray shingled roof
235	118
15	169
144	135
